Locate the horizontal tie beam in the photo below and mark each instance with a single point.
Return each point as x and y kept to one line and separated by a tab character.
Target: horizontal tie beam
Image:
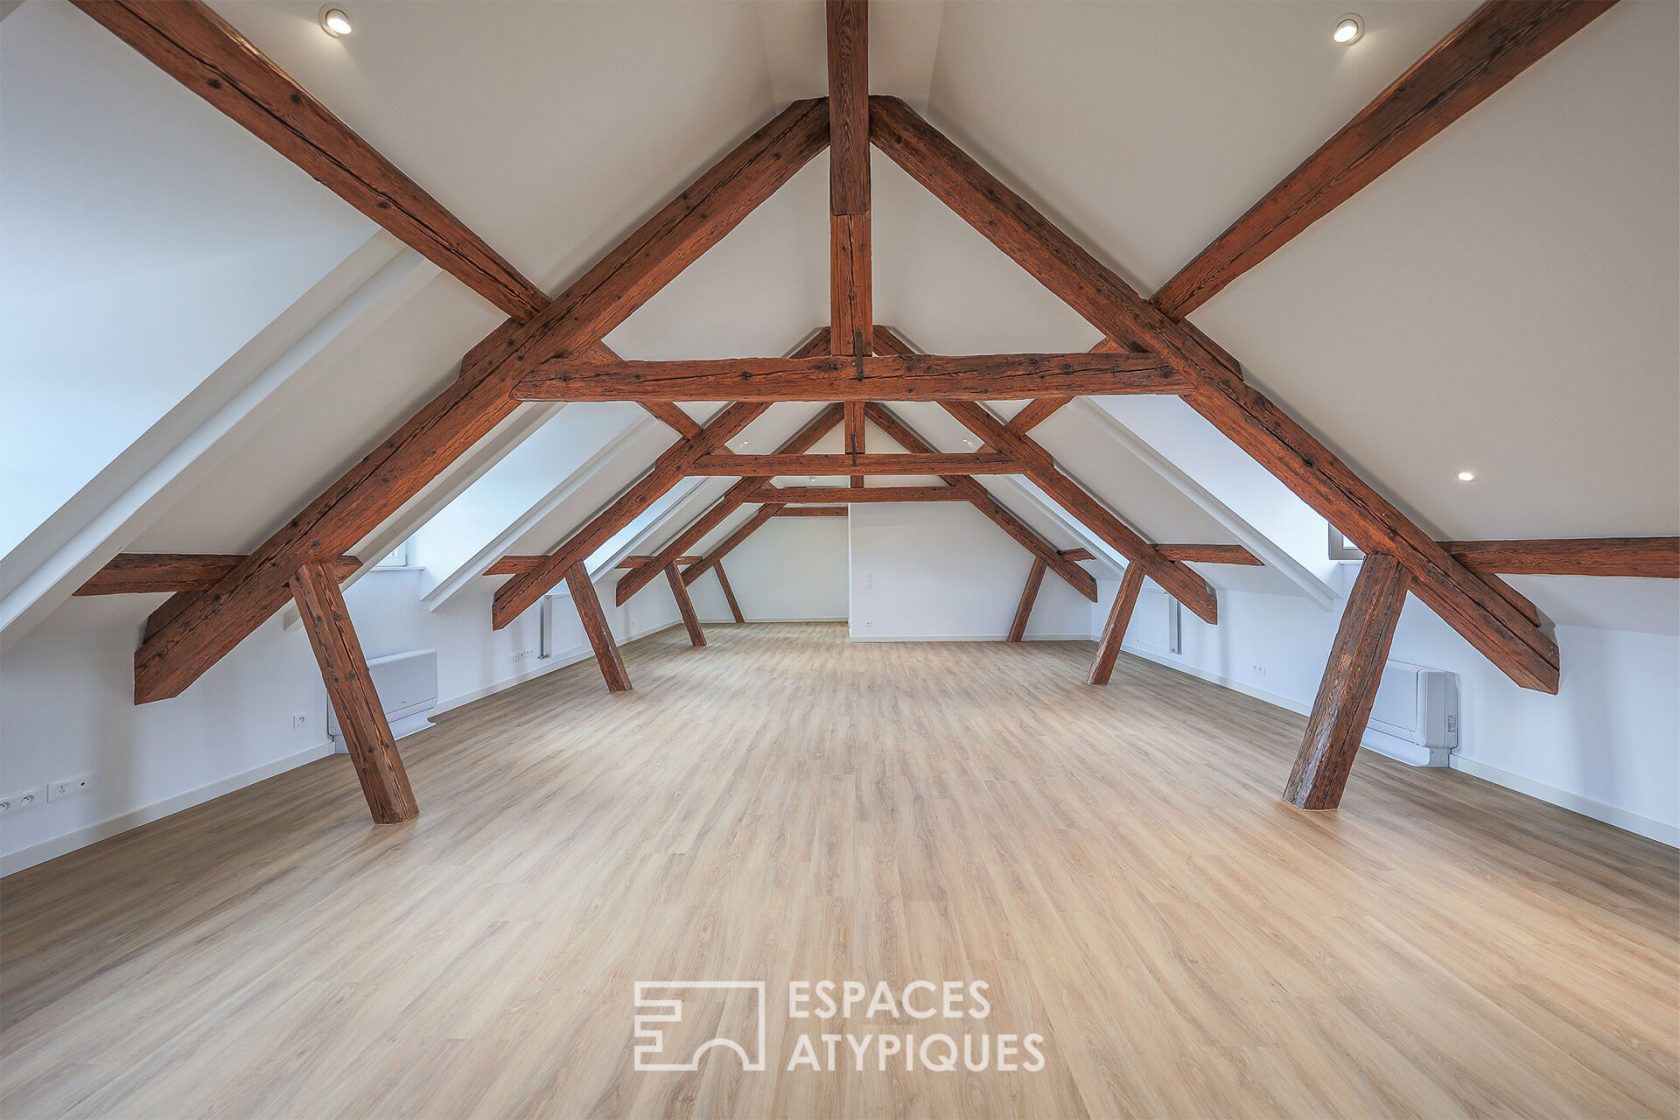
852	494
773	466
880	377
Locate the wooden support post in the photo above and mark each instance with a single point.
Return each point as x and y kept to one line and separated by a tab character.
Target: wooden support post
1349	686
728	592
854	434
199	628
367	734
1119	617
1029	595
595	626
696	636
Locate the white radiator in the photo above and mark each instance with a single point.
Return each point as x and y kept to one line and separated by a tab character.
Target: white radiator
1415	716
407	684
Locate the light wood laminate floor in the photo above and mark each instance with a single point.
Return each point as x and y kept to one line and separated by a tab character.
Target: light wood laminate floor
1114	863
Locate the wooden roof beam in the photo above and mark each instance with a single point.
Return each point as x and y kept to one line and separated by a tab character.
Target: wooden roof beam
978	496
199	631
1638	557
775	466
850	287
1182	583
733	498
196	47
524	589
889	377
746	529
799	495
1497	42
1466	601
151	573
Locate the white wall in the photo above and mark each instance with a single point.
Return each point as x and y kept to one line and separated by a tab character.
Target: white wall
66	708
793	569
940	571
1606	745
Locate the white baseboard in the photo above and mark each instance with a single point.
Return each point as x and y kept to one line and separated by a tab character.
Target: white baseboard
998	637
1540	791
1170	660
728	620
1576	803
558	660
134	818
68	842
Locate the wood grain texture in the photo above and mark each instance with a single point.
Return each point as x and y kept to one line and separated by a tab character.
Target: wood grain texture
361	717
196	47
203	628
847	23
773	466
523	590
811	511
854	432
150	573
1036	413
1029	596
793	495
1078	554
1639	557
881	377
728	593
724	547
733	498
1182	583
1114	630
1053	258
851	293
596	629
1349	687
1484	615
673	417
977	495
1208	554
1497	42
1113	862
685	606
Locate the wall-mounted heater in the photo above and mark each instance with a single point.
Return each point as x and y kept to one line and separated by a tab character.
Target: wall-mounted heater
407	684
1415	716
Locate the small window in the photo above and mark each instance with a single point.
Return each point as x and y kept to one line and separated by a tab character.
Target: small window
1341	548
397	559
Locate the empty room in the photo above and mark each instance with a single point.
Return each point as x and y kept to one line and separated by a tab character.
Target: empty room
839	558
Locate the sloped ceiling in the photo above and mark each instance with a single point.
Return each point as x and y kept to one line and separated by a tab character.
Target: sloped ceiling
1502	301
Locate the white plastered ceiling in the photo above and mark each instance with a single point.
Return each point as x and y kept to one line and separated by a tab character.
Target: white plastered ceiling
1502	301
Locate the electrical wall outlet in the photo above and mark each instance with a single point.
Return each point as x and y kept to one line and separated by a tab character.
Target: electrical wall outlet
23	799
69	787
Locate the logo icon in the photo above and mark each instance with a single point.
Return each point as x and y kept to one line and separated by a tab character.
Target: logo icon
657	1015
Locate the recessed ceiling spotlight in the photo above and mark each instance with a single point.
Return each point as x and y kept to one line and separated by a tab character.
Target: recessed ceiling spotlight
335	22
1348	29
1467	476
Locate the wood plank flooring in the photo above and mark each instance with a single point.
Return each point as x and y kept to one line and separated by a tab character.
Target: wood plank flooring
783	805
